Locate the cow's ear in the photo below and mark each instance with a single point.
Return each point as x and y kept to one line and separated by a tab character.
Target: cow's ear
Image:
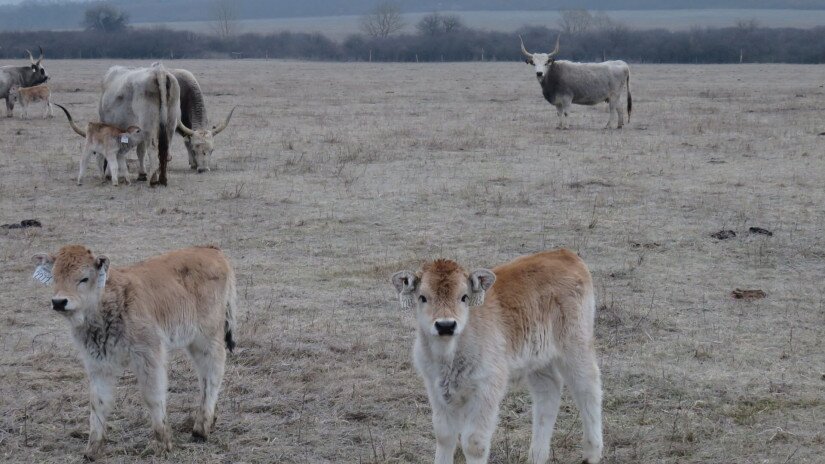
529	61
102	265
480	281
44	263
405	283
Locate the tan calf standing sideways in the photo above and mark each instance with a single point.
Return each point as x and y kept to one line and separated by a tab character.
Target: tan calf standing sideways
28	95
108	143
131	317
531	319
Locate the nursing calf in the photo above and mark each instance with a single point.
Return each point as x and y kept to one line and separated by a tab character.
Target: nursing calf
531	318
108	143
131	317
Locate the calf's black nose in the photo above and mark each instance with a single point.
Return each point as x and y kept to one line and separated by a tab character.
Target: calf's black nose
445	327
59	305
538	74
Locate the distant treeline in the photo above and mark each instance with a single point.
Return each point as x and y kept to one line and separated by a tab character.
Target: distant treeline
720	45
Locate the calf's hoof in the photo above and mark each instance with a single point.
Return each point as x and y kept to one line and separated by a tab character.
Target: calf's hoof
141	177
198	437
93	451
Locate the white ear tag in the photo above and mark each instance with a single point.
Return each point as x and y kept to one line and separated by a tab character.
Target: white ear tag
124	139
43	275
101	278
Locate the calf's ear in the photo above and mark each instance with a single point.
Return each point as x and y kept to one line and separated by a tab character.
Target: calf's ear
480	281
43	268
405	283
102	265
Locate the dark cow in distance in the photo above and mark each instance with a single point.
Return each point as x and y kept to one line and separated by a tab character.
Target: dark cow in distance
21	76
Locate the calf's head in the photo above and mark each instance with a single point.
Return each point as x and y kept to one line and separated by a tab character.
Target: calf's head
201	141
442	293
541	61
78	278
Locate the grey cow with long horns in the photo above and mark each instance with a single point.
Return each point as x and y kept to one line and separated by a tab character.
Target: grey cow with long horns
564	83
21	76
194	124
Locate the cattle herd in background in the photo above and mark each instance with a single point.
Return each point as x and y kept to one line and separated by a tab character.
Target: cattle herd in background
138	108
531	318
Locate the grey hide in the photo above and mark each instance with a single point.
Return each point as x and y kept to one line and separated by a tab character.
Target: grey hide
22	76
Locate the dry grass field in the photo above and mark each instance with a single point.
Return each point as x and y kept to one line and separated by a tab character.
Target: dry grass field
333	176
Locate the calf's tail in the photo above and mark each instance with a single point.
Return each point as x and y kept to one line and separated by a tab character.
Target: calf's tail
629	98
231	302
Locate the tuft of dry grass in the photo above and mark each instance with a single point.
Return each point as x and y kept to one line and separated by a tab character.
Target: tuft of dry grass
326	184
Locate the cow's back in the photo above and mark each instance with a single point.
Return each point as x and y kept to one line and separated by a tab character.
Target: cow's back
539	298
182	289
192	107
588	83
131	97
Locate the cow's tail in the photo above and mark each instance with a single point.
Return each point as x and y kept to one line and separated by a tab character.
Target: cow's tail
231	303
629	98
163	130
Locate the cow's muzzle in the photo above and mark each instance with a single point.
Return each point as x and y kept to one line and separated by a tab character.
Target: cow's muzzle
59	304
538	74
445	327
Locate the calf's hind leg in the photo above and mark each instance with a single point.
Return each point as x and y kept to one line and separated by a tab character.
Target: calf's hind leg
209	357
545	391
581	372
149	366
141	154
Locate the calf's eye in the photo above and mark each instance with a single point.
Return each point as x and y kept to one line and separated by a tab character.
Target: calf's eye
85	279
422	299
464	298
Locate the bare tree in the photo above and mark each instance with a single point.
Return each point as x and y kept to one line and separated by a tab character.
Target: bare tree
105	18
451	23
575	21
434	24
383	20
429	24
225	17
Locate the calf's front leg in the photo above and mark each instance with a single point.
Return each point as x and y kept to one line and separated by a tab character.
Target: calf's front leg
101	398
480	423
446	437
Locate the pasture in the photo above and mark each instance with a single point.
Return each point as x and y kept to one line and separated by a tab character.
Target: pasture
332	176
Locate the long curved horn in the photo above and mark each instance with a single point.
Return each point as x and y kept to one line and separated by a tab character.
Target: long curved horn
220	128
186	131
41	55
79	131
31	58
555	50
524	50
